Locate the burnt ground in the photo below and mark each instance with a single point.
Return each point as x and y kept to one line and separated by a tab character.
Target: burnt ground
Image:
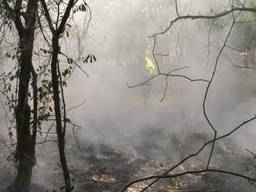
105	168
110	169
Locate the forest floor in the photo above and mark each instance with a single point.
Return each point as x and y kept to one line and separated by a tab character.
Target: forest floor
103	168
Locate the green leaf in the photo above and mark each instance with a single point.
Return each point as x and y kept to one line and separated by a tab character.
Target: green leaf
69	60
83	8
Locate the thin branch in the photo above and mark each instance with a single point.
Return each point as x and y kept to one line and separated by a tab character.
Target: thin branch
47	16
165	89
210	84
214	16
236	49
143	82
76	106
177	8
188	78
82	70
198	152
65	17
74	130
42	31
251	153
198	172
58	14
169	74
48	132
161	54
178	69
154	56
90	17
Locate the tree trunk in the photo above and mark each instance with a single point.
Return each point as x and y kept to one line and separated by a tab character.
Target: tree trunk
57	109
25	149
23	178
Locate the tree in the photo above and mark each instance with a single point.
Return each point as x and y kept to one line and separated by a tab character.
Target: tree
56	33
25	23
31	109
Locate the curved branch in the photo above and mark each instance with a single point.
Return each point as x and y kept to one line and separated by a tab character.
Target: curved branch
197	152
252	179
209	85
194	17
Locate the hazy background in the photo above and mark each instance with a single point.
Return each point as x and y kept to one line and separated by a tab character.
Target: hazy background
118	36
114	114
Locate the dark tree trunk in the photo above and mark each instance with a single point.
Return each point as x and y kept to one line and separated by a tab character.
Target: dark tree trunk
60	129
25	148
57	108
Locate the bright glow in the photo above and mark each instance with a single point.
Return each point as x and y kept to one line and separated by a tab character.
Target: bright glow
149	66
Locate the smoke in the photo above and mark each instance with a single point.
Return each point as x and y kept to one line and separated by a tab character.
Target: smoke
117	116
118	36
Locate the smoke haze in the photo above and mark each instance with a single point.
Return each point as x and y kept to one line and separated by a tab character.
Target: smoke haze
114	115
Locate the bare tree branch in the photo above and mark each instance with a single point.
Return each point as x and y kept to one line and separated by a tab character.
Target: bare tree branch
197	152
209	84
198	172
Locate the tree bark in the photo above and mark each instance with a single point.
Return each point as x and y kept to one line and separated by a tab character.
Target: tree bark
56	34
25	148
57	109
